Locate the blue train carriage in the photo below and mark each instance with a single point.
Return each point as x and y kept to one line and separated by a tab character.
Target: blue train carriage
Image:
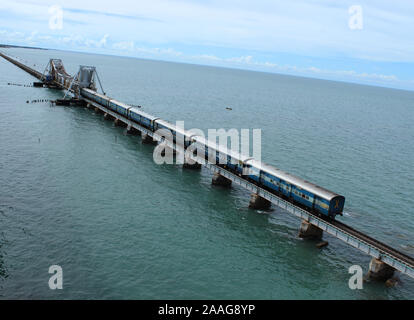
237	162
217	154
101	99
97	97
88	93
324	198
309	195
205	148
193	141
144	119
225	157
179	134
119	107
212	151
313	197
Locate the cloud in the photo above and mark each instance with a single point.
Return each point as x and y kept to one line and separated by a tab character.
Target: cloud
129	48
316	28
124	46
306	37
110	14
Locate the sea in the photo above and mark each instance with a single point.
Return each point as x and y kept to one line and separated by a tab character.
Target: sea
76	191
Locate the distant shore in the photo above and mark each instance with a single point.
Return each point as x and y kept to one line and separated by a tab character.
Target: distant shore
24	47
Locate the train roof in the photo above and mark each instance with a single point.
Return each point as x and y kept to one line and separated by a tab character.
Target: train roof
119	103
173	127
292	179
95	93
220	148
142	113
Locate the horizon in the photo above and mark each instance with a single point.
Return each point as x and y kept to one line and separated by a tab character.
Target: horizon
214	66
351	42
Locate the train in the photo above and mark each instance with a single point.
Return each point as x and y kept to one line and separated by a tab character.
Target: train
302	193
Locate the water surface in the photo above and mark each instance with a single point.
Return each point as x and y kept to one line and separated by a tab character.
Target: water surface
77	192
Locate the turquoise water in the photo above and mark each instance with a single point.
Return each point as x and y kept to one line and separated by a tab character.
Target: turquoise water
77	192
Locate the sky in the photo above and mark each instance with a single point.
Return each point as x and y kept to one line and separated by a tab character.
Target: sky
368	42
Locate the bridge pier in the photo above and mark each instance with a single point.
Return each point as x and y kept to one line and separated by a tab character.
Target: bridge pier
97	110
219	180
259	203
119	123
309	231
146	139
131	130
378	270
107	116
169	151
191	164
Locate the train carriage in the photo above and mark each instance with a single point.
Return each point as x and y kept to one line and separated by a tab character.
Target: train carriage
95	96
300	191
179	134
142	118
221	155
119	107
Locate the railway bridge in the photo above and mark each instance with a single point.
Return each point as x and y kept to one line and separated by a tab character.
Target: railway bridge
385	259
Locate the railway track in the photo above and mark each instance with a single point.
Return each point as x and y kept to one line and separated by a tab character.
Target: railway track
378	244
29	70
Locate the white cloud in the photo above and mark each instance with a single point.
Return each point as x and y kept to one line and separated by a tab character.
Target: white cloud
124	46
318	28
155	29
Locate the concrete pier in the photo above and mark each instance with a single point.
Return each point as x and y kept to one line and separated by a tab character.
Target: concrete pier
310	231
191	164
107	116
194	166
259	203
146	139
132	130
379	270
167	151
219	180
119	123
